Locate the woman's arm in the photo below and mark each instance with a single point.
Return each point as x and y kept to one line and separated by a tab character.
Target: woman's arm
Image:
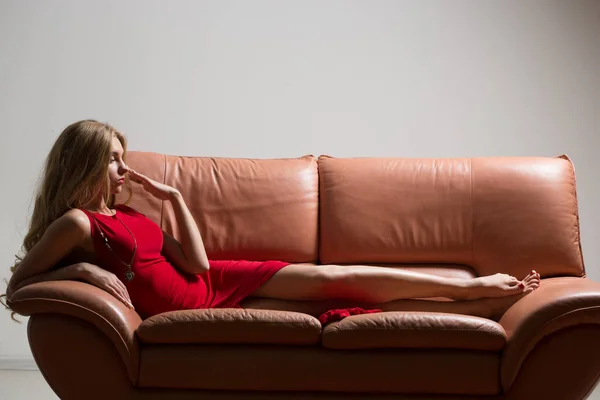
191	247
190	254
62	236
70	272
80	271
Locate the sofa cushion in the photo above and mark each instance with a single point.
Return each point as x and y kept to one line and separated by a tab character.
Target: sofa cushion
231	325
249	209
414	330
495	214
254	209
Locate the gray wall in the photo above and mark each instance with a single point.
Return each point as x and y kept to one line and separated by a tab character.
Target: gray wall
283	79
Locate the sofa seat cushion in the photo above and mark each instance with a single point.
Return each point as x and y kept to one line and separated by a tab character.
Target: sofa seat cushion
414	330
230	325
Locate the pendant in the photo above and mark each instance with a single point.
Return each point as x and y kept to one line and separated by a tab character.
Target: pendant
129	275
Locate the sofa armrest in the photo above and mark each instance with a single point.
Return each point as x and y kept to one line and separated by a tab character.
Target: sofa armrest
557	304
89	303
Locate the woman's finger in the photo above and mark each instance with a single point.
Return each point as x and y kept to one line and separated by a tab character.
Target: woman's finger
121	288
134	176
125	292
125	295
113	290
138	175
121	297
116	290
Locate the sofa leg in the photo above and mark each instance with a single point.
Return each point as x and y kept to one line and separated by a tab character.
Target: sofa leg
76	359
563	366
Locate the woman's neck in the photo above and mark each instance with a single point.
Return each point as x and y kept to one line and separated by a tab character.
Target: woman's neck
102	208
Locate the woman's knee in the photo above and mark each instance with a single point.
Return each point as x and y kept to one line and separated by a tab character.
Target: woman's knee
336	280
352	283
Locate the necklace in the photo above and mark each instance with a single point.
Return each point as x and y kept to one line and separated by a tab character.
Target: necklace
129	275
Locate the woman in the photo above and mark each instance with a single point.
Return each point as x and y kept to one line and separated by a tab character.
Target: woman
78	233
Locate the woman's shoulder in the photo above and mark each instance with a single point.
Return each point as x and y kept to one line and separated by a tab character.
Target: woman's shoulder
74	221
75	217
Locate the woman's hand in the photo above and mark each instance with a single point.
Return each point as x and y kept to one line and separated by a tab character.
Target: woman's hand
107	281
158	190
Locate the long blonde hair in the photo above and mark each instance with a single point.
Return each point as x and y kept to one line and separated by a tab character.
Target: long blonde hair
75	175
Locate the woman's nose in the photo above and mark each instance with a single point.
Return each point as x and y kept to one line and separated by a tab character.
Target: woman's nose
124	169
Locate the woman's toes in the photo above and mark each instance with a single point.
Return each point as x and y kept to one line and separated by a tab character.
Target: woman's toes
515	289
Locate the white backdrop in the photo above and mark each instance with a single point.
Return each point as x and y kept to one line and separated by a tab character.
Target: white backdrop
287	78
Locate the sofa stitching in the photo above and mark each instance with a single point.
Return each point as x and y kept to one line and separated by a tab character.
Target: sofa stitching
541	328
162	203
574	194
472	218
78	306
396	329
319	208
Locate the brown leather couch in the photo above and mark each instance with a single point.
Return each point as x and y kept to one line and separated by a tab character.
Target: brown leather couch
452	217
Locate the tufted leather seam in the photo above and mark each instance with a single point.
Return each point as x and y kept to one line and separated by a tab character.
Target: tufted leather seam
410	330
162	203
382	328
226	321
574	194
473	266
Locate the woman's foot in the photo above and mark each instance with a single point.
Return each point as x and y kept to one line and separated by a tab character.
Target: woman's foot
500	285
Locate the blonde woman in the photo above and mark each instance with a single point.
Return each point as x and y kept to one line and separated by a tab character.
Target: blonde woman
77	232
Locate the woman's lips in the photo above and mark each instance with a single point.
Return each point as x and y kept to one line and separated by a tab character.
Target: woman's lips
121	181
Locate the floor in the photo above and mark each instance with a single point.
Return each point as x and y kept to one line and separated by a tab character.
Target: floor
20	385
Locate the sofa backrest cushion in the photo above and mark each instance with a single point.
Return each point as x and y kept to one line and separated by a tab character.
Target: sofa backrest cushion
493	214
253	209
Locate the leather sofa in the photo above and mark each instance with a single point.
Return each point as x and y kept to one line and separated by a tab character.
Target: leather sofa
459	217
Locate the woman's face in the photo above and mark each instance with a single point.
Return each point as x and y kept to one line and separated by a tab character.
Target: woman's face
116	167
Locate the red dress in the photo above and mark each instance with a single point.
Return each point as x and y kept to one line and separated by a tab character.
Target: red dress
158	286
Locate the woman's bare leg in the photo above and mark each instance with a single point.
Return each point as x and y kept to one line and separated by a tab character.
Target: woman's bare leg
380	284
491	307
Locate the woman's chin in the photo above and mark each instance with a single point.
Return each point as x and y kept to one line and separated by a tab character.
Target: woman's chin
116	189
